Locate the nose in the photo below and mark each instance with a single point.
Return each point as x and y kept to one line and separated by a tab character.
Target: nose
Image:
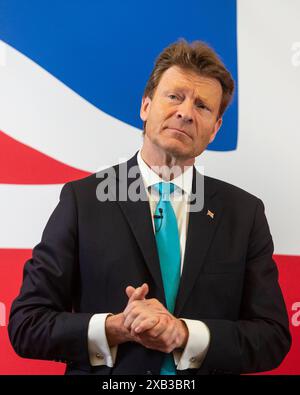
185	112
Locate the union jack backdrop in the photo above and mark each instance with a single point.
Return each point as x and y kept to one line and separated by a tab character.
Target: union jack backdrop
72	75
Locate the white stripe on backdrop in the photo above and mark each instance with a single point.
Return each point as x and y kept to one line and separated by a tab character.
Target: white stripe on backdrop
267	161
40	111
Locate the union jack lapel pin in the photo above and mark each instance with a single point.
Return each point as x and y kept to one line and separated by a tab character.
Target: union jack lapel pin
211	214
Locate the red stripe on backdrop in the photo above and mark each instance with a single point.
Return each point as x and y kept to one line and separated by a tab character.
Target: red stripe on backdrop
36	168
11	270
289	277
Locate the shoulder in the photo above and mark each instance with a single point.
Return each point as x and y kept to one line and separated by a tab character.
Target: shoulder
230	194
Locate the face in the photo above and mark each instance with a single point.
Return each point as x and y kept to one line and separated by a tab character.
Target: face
182	117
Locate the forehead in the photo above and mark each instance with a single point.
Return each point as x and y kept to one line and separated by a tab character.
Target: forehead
187	80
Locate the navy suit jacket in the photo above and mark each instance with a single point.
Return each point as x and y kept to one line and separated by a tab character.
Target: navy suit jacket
91	250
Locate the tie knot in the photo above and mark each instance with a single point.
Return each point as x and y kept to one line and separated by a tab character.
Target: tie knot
164	189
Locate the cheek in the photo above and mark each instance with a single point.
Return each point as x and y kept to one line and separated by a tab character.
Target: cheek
205	128
158	119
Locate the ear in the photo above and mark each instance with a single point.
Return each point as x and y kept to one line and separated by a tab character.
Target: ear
145	108
218	124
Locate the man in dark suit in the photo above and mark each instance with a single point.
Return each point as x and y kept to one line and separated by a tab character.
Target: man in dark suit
177	281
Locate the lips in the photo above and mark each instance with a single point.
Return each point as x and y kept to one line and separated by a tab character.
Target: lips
178	130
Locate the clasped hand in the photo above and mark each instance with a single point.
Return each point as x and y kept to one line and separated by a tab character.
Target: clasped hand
151	324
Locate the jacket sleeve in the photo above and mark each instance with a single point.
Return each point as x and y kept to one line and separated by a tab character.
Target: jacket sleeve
42	322
260	339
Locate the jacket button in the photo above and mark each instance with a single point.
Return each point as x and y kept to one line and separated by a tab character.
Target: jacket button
99	356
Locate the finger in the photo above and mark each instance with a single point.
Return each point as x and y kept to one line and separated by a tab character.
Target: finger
157	330
129	291
153	335
133	310
139	293
136	295
136	305
141	324
145	290
129	320
162	329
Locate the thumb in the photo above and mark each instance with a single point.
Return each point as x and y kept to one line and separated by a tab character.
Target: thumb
144	290
138	293
129	291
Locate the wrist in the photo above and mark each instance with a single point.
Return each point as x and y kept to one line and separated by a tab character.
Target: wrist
184	334
115	331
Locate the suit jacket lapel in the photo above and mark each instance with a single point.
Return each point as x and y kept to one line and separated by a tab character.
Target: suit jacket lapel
200	233
201	230
138	215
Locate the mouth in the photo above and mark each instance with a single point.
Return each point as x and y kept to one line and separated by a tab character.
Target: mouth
179	131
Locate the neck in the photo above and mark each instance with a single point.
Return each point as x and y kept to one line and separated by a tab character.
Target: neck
166	165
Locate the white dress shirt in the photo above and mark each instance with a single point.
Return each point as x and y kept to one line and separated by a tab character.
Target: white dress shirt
198	340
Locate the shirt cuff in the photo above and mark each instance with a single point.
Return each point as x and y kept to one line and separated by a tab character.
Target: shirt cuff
99	351
196	347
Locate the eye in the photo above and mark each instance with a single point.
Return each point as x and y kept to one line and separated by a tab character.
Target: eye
202	106
173	97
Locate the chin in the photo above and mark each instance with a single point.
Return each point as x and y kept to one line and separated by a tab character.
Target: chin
174	146
177	150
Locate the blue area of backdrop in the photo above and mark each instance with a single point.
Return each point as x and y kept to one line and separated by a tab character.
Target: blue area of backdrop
105	50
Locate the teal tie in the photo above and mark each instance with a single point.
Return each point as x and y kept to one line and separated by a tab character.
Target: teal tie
168	246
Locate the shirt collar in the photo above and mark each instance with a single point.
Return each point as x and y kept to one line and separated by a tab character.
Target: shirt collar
183	181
